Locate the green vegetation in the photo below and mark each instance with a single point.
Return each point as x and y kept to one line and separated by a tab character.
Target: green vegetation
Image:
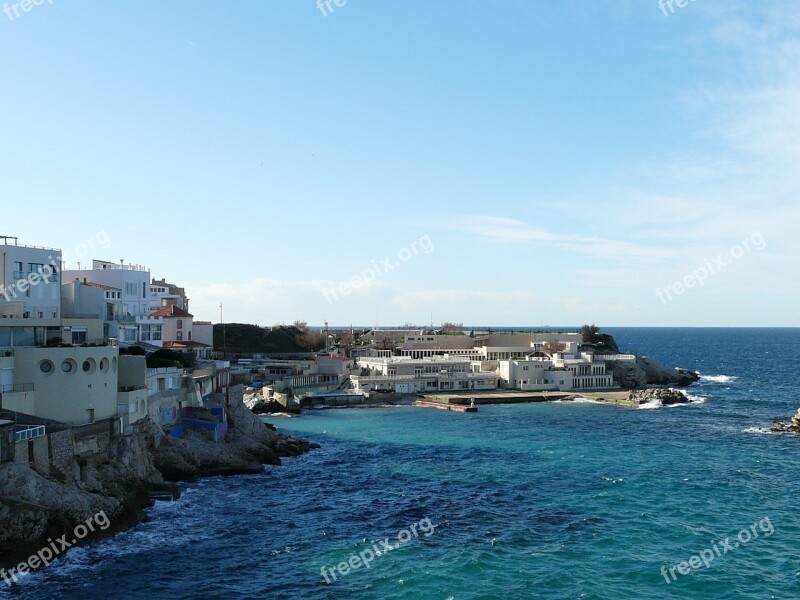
244	338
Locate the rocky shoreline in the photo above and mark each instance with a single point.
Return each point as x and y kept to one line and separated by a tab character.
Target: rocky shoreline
792	426
123	481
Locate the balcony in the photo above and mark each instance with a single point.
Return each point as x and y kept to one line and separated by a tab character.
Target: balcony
16	388
29	432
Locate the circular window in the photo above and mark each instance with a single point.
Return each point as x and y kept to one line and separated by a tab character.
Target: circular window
89	365
104	365
46	366
68	366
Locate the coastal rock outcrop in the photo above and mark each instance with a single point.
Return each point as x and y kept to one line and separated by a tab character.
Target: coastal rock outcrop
665	395
248	445
122	480
645	371
792	426
118	483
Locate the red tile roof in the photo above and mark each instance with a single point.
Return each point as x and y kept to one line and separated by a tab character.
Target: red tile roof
171	311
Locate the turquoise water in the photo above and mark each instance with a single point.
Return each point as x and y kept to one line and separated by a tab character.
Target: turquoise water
559	500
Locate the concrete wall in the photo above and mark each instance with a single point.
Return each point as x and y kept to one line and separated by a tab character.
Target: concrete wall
79	299
22	402
93	327
203	332
132	371
33	453
70	382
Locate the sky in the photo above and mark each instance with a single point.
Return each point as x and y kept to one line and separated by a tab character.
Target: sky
490	162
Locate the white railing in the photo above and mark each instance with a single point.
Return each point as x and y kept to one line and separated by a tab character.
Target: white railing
30	433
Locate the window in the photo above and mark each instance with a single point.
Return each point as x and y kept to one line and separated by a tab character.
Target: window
180	323
179	336
78	336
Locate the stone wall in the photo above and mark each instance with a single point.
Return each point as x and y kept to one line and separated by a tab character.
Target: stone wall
21	454
62	452
41	455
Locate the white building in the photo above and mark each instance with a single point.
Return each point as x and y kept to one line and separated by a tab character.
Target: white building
562	372
403	374
30	294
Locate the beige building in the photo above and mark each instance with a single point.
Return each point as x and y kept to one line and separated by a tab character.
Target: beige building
75	385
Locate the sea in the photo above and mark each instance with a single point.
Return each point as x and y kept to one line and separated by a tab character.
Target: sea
555	500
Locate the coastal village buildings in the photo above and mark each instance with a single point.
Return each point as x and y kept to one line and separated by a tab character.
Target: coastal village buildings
62	377
429	361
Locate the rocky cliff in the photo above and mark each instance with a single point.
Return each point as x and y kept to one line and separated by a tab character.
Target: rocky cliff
122	481
647	371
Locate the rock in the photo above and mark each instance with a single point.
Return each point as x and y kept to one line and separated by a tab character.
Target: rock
646	371
665	395
122	480
791	427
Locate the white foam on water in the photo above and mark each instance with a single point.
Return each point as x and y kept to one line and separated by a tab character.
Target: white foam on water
718	378
578	400
761	431
656	402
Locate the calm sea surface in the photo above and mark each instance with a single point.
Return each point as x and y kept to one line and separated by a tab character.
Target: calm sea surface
562	500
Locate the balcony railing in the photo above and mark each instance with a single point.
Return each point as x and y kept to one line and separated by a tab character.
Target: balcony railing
29	432
15	388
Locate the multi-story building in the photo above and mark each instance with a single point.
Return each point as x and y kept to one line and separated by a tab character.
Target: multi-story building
133	282
163	294
561	372
30	294
406	375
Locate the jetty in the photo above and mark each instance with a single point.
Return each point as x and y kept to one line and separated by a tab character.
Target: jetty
454	406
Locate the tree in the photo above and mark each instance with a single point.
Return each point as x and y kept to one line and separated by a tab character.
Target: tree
554	346
451	328
590	334
311	340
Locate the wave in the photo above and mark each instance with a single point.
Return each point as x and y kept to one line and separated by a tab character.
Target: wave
656	402
760	431
718	378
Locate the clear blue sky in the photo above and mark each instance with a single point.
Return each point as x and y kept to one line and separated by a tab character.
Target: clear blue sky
559	162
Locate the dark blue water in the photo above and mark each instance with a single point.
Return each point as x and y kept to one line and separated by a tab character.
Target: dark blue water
558	500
